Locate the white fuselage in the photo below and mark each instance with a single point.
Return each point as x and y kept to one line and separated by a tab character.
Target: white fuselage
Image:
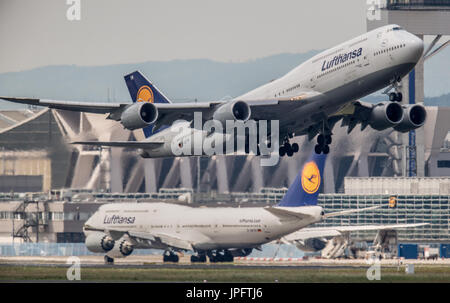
204	228
344	73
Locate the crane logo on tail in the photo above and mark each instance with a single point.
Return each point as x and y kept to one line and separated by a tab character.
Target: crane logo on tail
145	94
310	177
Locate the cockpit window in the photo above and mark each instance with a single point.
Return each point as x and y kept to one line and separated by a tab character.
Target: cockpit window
397	28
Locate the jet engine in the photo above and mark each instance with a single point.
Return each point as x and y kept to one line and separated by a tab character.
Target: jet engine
237	111
121	249
414	117
99	242
312	244
386	114
139	115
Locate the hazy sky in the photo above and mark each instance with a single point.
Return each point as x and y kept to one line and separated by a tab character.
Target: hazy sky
37	33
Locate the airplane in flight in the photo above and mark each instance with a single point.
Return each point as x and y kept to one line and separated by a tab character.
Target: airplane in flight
219	233
309	100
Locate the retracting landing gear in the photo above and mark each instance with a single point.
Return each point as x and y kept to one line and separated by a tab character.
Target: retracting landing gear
170	256
323	144
396	95
323	140
287	148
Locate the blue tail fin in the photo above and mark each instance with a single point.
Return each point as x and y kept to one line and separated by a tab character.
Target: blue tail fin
305	188
142	90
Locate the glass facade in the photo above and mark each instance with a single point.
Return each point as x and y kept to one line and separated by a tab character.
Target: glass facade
405	4
408	209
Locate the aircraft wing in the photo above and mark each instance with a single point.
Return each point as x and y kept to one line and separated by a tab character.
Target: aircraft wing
327	232
170	112
165	239
354	113
175	111
90	107
130	144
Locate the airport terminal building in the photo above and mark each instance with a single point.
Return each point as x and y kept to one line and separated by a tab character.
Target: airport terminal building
59	217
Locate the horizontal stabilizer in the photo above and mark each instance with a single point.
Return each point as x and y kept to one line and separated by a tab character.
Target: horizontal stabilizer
287	214
129	144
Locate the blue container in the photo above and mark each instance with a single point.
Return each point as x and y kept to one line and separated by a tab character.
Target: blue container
408	251
444	250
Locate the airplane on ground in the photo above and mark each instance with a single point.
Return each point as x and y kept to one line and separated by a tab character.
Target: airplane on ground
309	100
221	233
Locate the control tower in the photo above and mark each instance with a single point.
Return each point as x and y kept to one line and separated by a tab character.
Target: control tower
422	18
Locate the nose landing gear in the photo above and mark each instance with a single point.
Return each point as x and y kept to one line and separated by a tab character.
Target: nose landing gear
396	95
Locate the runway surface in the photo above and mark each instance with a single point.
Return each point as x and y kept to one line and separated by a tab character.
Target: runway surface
150	268
155	261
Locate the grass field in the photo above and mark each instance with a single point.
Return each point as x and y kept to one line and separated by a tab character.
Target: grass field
226	274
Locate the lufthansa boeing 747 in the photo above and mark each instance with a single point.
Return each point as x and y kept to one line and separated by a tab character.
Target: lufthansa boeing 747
219	233
309	100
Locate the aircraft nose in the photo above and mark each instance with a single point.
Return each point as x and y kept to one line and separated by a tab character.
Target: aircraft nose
415	46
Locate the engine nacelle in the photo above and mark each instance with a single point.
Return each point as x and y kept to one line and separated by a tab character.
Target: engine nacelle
121	249
237	111
386	114
99	242
414	117
139	115
312	244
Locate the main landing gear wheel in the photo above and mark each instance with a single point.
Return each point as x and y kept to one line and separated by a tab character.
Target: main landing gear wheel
201	258
396	97
170	257
322	145
108	260
225	256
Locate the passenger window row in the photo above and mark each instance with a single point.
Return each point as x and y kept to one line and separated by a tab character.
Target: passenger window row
383	51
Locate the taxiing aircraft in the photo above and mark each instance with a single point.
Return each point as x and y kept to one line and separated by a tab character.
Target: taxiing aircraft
220	233
309	100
